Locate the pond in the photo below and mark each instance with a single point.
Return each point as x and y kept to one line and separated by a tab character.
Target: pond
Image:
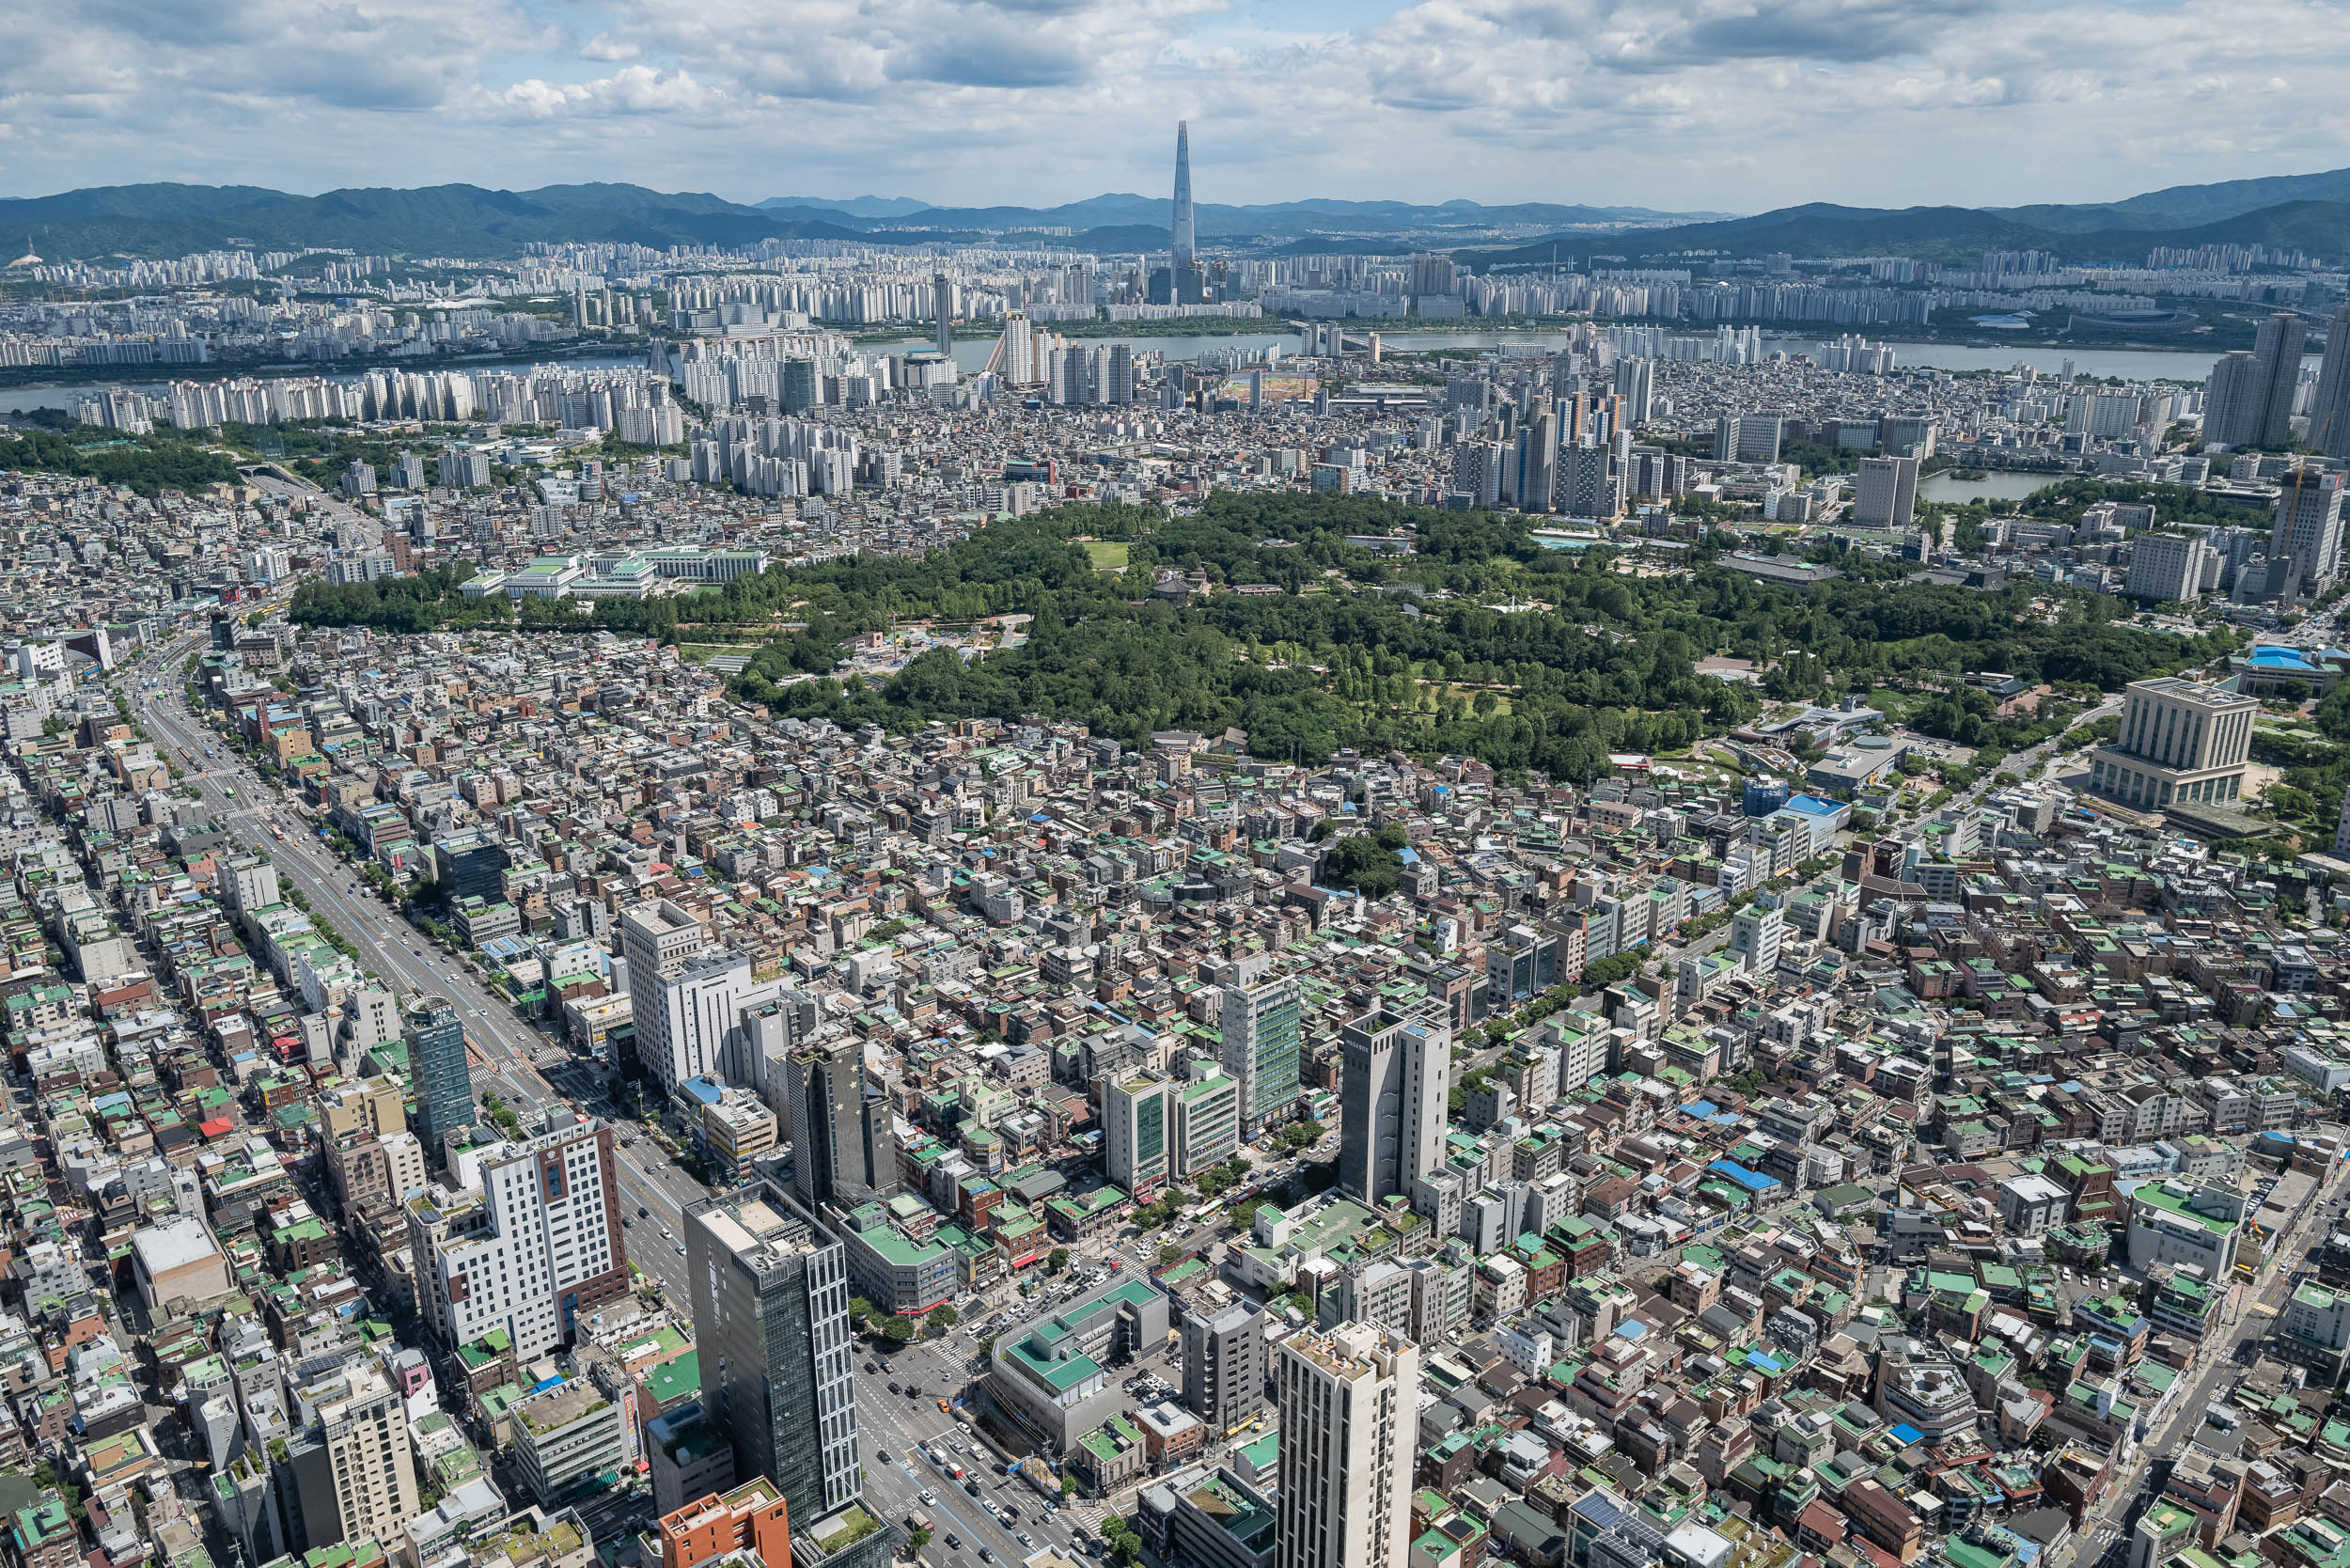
1992	487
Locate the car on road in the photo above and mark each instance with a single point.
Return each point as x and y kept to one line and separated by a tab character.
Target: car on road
1027	1540
643	1212
972	1486
928	1495
681	1249
883	1455
627	1224
895	1389
954	1541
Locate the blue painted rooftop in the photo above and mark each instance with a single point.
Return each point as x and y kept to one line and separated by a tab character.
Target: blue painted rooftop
1753	1181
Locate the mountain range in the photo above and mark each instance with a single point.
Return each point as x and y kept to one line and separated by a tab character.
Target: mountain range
2310	213
2302	212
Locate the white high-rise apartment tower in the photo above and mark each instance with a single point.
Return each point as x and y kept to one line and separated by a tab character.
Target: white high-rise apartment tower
362	1459
1350	1414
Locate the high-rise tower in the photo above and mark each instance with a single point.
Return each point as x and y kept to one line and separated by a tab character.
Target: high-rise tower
1262	1029
1391	1102
1186	240
943	296
2329	409
771	1319
1346	1404
838	1126
2247	398
437	1056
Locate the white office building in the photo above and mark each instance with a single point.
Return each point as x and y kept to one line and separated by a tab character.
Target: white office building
530	1249
2179	741
1887	495
1755	935
2165	566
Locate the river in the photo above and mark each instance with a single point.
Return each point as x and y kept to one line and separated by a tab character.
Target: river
971	354
2131	364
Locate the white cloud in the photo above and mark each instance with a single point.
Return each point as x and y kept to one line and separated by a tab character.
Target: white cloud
1734	104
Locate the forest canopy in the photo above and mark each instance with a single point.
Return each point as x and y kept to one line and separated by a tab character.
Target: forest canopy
1359	646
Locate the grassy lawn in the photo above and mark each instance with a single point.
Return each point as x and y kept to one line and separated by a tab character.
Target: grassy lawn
1898	705
1107	557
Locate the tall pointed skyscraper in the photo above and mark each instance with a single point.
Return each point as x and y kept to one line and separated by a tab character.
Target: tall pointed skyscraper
1186	241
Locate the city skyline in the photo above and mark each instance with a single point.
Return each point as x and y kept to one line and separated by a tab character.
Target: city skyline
1693	108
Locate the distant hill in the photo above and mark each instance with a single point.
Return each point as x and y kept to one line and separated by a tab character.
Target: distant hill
2307	212
2186	206
856	207
1948	234
469	221
1320	215
437	220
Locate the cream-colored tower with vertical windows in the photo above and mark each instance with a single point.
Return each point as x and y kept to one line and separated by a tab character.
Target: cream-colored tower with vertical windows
1350	1409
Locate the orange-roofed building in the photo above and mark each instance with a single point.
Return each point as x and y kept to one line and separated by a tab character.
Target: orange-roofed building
749	1518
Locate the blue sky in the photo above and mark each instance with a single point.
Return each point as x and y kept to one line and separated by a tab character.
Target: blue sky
1720	104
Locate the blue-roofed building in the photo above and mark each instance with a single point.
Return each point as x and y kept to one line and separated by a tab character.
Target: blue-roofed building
1753	1181
2272	669
1837	812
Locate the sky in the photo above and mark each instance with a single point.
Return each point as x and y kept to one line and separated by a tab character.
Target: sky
1727	106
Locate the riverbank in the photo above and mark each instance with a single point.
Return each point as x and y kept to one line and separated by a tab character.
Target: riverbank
65	378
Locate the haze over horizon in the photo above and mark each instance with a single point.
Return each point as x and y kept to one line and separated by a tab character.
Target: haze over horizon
1687	104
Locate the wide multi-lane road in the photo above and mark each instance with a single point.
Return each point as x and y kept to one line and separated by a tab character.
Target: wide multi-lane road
2250	1313
507	1050
899	1424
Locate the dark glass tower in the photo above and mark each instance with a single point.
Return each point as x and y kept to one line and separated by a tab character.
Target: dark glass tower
771	1319
839	1127
436	1061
